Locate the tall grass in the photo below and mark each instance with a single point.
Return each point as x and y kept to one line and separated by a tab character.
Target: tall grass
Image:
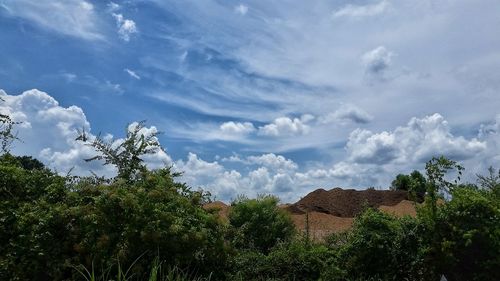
157	273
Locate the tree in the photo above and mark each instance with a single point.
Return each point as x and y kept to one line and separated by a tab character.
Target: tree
259	223
414	183
7	136
126	154
490	181
401	182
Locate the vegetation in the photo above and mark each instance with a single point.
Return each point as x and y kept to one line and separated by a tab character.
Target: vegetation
258	224
145	225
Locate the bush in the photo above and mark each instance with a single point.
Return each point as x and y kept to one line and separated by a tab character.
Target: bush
466	238
259	223
49	226
295	260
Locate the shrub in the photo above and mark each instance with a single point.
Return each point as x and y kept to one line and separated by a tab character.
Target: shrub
259	223
50	226
295	260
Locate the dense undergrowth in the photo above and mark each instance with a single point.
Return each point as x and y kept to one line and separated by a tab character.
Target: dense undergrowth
145	225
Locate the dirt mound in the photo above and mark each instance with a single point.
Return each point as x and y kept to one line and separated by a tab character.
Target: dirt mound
321	225
346	203
403	208
220	207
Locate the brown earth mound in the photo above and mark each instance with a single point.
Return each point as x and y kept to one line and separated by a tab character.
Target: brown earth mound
218	206
321	225
346	203
403	208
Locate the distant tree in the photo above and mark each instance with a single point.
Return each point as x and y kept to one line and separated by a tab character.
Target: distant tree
401	182
125	155
30	163
415	183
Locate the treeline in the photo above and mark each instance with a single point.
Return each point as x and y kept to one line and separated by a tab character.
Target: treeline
145	225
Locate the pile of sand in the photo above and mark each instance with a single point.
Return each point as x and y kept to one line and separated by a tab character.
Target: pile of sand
346	203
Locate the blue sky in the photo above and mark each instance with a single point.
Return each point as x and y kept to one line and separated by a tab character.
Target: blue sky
258	96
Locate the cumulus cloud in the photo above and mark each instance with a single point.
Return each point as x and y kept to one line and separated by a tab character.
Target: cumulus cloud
360	11
70	17
237	128
377	61
48	132
285	126
418	141
241	9
273	174
132	74
268	160
126	27
490	134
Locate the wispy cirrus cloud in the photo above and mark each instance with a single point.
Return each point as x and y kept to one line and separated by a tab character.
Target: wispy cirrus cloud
76	18
358	11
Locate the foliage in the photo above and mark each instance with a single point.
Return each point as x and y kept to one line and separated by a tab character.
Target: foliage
157	272
464	239
415	183
371	248
490	181
259	223
48	225
295	260
126	154
7	135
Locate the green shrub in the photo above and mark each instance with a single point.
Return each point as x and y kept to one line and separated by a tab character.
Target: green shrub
259	223
49	225
466	236
295	260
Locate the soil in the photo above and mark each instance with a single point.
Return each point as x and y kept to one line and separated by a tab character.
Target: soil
220	207
403	208
321	225
346	203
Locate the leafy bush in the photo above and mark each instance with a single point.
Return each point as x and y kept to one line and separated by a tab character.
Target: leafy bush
466	236
50	225
295	260
259	223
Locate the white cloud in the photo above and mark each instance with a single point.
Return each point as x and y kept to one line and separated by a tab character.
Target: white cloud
285	126
347	113
377	61
359	11
237	128
273	161
417	142
70	17
48	132
132	74
113	7
126	27
241	9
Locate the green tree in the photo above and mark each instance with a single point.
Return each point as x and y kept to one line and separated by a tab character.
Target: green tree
415	183
259	223
126	154
7	135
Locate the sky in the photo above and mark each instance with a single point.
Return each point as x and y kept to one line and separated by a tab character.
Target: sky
257	97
